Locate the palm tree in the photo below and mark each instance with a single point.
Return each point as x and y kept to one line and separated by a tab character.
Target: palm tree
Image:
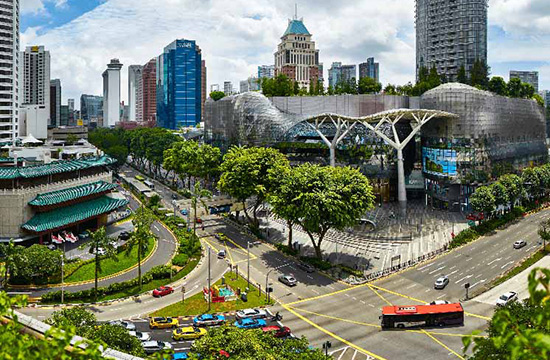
100	241
142	234
197	196
7	252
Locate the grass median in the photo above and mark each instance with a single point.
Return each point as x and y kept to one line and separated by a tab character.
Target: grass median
109	266
196	304
523	266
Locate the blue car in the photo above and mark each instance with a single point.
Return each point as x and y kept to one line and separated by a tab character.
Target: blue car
180	355
184	212
208	320
248	323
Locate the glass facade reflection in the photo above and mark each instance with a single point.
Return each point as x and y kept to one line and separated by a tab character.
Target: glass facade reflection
179	85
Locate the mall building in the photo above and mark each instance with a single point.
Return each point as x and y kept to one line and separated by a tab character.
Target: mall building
472	136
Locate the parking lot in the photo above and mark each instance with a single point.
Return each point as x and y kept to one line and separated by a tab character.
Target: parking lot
142	325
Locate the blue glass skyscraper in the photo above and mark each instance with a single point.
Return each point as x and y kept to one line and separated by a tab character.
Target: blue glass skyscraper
179	85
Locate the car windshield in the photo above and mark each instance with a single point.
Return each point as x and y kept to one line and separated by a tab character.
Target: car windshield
504	297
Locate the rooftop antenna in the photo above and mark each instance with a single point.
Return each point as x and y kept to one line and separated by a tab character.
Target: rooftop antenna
295	11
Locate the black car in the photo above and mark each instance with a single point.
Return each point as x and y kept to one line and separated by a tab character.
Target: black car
125	235
174	197
306	267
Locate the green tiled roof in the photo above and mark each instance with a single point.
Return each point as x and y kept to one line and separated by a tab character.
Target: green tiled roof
71	214
61	196
53	168
296	27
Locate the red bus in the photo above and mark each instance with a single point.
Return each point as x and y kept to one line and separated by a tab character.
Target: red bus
422	315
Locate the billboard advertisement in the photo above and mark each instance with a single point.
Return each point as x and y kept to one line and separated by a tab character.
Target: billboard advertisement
439	162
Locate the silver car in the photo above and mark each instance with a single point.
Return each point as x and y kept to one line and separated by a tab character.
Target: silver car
441	282
251	313
125	324
288	280
142	336
151	347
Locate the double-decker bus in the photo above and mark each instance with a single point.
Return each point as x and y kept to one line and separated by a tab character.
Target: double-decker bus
422	315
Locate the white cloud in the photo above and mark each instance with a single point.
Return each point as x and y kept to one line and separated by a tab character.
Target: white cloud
38	6
235	36
521	17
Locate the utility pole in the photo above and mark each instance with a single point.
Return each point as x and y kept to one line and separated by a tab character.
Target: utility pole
62	274
248	263
209	290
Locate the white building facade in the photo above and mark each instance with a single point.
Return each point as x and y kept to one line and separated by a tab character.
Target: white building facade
111	93
135	92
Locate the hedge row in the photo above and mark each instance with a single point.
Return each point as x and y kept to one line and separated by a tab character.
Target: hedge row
157	272
486	227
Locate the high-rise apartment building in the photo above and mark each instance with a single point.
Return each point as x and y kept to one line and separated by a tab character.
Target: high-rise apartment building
266	71
203	88
111	93
370	69
450	34
55	102
339	74
321	72
296	56
529	77
149	90
250	84
135	93
91	109
179	85
9	70
35	91
227	88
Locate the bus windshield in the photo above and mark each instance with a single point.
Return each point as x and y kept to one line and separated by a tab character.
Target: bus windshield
422	315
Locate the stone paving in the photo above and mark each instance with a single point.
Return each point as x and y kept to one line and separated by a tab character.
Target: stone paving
394	241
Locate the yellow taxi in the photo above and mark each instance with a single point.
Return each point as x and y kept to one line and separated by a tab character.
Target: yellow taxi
189	332
163	323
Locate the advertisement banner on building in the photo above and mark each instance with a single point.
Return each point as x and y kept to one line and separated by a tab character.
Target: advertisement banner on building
439	162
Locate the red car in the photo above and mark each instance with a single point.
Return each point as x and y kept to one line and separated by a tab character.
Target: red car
277	331
163	290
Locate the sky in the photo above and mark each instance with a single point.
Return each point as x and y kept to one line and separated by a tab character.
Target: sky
238	35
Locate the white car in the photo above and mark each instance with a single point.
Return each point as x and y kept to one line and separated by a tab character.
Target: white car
142	336
439	302
125	324
252	314
519	244
151	347
507	298
441	282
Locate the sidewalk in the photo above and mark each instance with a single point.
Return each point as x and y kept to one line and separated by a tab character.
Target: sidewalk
518	283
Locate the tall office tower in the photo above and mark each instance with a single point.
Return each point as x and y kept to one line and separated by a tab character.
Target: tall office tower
203	87
369	69
266	71
450	34
70	105
36	76
91	109
339	74
111	94
296	56
179	83
227	88
55	102
135	93
321	72
529	77
9	70
149	92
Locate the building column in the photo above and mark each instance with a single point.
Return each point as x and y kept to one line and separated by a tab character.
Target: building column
401	188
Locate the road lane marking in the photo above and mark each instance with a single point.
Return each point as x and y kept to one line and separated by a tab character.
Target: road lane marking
425	266
507	264
454	272
436	270
229	253
494	261
380	296
411	286
443	345
464	278
364	351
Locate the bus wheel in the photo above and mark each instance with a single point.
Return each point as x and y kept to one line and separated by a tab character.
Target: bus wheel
400	326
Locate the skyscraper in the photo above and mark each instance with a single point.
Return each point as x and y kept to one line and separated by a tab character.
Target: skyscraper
529	77
179	85
203	87
369	69
111	93
296	56
227	88
450	34
55	102
339	74
36	76
266	71
91	109
135	93
9	70
149	85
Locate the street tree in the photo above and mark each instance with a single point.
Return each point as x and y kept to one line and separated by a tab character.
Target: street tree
518	330
500	194
514	187
99	240
35	264
252	173
390	89
544	231
479	74
78	317
514	88
198	195
498	86
284	209
368	85
189	159
482	200
531	182
7	253
461	76
252	344
217	95
328	198
140	238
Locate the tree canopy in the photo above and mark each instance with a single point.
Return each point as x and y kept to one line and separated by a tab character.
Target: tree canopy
217	95
368	85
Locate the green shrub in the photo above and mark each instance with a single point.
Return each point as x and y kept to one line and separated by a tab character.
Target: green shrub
180	260
160	272
286	250
319	264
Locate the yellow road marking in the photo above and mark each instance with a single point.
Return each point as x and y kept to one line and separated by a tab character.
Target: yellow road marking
210	244
329	294
320	328
380	295
443	345
447	334
229	253
477	316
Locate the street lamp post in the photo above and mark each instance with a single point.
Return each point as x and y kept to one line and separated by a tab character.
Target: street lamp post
209	291
248	263
266	284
